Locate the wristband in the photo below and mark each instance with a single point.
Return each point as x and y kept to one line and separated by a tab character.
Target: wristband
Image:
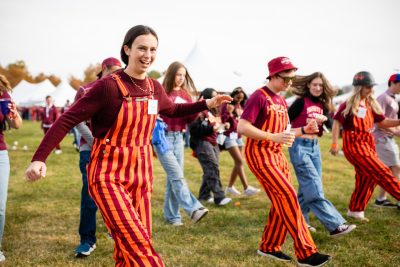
302	130
334	146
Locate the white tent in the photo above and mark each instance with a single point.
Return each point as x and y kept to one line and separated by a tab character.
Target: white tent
31	94
63	92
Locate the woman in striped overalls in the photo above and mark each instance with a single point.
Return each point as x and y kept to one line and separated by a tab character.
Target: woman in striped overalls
265	122
357	117
123	109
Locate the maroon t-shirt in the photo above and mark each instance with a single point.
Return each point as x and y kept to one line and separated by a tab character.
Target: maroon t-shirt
310	110
179	124
231	118
347	122
256	107
101	105
3	145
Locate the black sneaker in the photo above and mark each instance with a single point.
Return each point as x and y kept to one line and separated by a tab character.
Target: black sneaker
316	259
342	230
277	255
384	204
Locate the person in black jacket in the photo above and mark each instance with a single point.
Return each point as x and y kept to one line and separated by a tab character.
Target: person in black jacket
203	140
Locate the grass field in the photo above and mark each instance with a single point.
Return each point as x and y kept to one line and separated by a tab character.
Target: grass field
43	217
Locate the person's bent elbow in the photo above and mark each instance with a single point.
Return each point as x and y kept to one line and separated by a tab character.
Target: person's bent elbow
241	128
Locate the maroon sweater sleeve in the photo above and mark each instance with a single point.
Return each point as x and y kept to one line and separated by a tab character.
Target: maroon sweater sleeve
101	104
170	109
81	110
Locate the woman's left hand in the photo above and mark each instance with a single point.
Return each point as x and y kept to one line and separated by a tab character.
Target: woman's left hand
218	100
13	109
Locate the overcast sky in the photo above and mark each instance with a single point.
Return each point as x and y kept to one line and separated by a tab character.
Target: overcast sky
339	37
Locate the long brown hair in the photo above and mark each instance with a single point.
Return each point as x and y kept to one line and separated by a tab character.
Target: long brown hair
301	88
5	85
169	79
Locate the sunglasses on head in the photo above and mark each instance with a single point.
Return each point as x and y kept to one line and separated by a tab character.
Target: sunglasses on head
287	79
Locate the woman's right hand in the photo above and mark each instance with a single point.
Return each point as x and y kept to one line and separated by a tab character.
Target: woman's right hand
35	171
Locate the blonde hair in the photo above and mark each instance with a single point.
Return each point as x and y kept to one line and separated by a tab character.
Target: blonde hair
5	85
353	102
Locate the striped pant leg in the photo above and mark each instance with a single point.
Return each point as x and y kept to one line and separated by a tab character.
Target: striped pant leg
363	190
371	168
142	187
272	239
286	214
132	243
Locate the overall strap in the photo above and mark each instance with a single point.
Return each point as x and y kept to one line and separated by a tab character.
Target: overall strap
121	85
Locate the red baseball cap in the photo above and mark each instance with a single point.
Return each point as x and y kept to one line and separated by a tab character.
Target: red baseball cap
279	64
108	62
395	78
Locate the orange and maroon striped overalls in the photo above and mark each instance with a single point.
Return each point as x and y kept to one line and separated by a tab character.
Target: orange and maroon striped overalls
268	163
359	149
120	177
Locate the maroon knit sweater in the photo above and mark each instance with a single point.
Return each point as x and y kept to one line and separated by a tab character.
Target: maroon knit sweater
102	104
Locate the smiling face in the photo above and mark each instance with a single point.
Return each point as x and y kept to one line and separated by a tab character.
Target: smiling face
180	77
142	54
316	87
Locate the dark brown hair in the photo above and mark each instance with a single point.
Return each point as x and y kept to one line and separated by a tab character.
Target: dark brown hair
130	37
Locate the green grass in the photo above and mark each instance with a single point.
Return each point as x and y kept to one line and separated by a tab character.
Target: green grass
43	217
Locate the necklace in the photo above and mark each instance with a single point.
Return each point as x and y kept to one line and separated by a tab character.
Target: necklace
146	91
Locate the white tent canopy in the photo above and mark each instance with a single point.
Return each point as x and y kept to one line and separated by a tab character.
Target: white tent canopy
62	93
30	94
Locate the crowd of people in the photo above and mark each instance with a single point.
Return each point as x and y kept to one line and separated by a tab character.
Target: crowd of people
124	115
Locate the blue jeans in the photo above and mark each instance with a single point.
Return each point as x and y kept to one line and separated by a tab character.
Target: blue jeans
306	159
177	193
87	224
4	177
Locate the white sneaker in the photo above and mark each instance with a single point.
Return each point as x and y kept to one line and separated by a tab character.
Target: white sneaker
358	215
198	214
58	151
224	201
342	230
233	191
311	228
177	223
251	191
2	257
210	200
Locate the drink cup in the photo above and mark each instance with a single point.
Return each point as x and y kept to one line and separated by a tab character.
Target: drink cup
4	105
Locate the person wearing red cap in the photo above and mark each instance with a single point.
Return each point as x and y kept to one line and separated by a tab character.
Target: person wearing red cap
108	66
87	222
122	109
357	117
386	147
265	122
